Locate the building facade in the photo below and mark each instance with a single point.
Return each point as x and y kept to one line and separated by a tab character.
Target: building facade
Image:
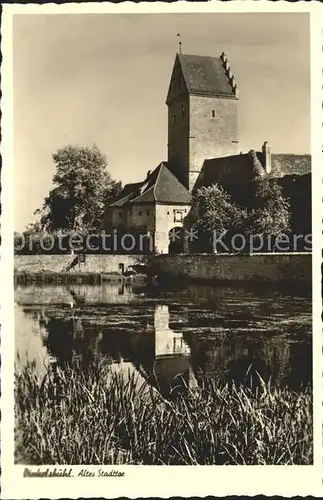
154	207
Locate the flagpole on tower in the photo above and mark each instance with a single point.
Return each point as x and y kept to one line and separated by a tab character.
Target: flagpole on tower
179	43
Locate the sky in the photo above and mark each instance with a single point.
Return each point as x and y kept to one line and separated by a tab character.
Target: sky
102	79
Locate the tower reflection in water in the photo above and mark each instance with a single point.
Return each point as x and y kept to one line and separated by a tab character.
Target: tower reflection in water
172	368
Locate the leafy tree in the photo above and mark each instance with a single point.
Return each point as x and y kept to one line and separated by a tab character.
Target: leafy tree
34	227
214	211
270	211
82	189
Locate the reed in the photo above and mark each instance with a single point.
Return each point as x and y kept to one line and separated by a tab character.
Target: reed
94	415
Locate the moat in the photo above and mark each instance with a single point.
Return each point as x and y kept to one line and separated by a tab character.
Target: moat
169	334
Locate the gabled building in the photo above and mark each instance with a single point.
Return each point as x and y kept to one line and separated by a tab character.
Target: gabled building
203	149
154	206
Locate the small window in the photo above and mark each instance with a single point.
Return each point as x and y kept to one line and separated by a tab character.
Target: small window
139	213
174	118
178	216
182	110
213	113
120	215
167	213
148	212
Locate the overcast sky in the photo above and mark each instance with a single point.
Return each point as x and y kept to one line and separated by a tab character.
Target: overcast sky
103	79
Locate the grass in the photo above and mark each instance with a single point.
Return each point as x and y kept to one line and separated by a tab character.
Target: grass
99	416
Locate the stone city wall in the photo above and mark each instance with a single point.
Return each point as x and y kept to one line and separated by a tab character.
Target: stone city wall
226	267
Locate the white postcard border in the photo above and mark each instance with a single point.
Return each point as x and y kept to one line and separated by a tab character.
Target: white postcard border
147	481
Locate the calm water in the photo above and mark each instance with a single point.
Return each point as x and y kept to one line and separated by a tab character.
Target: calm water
163	334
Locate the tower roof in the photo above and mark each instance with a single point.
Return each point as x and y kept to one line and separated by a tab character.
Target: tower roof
205	75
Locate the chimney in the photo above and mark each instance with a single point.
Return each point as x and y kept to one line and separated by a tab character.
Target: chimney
267	155
148	174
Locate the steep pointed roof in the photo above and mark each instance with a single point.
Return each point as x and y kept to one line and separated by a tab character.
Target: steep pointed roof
204	75
160	186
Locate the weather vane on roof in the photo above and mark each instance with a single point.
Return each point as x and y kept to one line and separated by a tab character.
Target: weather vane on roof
179	43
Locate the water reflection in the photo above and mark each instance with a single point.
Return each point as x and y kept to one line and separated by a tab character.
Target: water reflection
157	352
77	295
171	343
167	341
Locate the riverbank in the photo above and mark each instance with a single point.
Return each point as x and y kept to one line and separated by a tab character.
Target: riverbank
59	269
95	415
257	268
47	278
91	264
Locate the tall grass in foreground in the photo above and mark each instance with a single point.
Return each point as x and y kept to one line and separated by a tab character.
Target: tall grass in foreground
100	417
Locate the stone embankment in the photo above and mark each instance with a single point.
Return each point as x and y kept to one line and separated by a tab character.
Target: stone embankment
296	267
58	263
66	268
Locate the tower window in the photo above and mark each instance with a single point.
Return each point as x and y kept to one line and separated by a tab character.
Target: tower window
174	118
139	213
182	110
213	113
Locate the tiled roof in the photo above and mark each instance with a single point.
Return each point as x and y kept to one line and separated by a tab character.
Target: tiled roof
125	194
160	186
231	169
204	75
163	187
238	168
289	164
169	189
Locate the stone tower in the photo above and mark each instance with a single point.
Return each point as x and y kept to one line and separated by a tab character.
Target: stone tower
202	114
